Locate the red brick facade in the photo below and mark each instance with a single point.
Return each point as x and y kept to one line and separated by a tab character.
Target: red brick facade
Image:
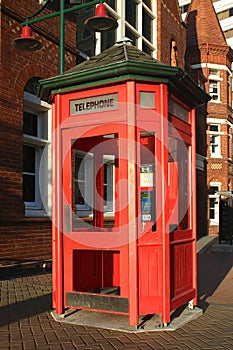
208	52
170	27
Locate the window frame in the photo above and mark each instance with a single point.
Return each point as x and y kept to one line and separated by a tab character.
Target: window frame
214	85
42	206
215	220
88	161
86	208
215	135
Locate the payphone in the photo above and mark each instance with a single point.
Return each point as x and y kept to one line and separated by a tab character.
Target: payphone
147	181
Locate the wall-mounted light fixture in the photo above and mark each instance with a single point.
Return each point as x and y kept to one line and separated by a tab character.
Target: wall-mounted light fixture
98	23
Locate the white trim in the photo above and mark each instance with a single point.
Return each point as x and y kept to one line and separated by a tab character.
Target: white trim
212	66
226	23
221	6
215	121
36	102
216	196
184	2
217	141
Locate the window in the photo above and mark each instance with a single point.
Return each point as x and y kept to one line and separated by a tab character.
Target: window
214	127
214	203
215	140
214	85
214	90
136	20
174	54
29	174
84	182
184	8
229	140
36	156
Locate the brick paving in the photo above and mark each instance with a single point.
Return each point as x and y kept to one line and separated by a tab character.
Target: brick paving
26	322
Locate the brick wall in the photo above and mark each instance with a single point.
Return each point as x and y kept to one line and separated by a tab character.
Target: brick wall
28	239
20	237
170	27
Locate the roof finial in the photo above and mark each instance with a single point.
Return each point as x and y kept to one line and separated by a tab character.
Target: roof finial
125	40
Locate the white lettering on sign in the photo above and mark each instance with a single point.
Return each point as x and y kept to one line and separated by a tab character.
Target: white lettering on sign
94	104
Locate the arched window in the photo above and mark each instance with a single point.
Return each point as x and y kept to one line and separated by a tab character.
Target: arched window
174	53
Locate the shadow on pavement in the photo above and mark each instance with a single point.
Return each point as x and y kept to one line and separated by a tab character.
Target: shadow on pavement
9	273
213	268
24	309
23	283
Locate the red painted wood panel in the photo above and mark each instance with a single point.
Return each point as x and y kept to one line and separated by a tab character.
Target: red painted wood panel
150	279
86	269
181	257
95	269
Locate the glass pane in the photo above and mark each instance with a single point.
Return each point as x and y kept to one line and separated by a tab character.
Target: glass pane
147	181
83	162
112	3
94	176
130	35
79	180
105	182
85	39
30	124
146	25
79	191
45	132
107	39
146	48
29	159
213	127
212	202
178	185
109	189
212	213
148	3
147	99
28	188
131	12
214	189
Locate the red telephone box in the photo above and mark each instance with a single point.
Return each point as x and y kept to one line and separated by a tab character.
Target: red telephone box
124	221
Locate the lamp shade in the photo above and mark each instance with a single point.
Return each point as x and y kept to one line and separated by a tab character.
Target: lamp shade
26	42
101	21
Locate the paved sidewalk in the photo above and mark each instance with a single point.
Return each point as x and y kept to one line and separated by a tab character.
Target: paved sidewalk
26	321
